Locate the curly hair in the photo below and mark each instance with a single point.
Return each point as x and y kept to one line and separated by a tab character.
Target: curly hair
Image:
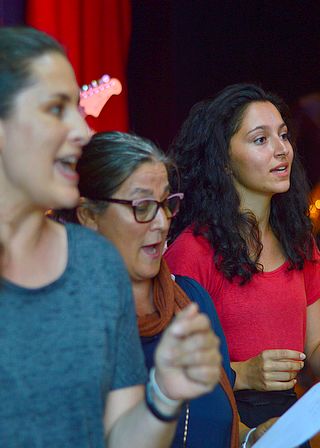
212	204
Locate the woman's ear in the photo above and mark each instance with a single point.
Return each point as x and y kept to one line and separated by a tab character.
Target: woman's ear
86	216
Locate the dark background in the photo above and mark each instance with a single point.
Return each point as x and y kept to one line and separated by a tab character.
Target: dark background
185	50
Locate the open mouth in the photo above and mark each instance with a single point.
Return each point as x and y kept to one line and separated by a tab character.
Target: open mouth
67	167
153	250
280	169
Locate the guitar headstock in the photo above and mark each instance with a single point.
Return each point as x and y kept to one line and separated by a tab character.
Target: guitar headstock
94	96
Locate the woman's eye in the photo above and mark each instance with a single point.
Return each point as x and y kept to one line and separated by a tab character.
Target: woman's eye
143	206
259	140
57	110
285	136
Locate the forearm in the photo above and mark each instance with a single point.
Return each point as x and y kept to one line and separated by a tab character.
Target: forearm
254	434
138	428
241	377
243	431
187	364
314	361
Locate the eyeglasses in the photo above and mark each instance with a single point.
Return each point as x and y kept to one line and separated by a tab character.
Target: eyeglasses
145	210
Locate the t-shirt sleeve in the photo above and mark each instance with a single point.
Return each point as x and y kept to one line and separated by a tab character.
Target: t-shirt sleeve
192	256
108	285
312	277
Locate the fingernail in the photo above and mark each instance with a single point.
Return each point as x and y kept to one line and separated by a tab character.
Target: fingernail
302	356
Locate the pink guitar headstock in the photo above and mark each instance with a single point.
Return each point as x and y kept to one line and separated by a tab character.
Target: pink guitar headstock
94	96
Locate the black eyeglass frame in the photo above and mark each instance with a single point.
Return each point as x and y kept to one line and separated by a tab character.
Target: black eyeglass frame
135	202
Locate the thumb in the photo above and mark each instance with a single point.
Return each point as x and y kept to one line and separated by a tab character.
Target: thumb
168	347
180	324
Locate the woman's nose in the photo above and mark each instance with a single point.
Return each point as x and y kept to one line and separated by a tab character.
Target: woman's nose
80	132
161	219
281	148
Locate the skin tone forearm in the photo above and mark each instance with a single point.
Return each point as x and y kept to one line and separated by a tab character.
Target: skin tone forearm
314	361
188	364
139	428
270	370
142	429
277	369
260	430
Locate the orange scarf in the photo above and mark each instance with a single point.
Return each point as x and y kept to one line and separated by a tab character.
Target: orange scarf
169	299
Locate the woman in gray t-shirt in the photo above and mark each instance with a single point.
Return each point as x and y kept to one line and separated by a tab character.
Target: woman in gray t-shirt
71	369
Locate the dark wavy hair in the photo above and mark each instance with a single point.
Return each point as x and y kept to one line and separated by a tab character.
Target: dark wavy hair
212	204
107	161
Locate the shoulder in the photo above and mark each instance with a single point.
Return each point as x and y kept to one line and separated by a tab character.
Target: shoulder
190	286
193	256
313	265
189	243
311	275
197	294
86	241
95	260
82	234
316	252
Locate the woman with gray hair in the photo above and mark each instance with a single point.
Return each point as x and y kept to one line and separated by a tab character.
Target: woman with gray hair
126	196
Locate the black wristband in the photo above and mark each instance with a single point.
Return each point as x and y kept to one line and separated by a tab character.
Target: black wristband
155	411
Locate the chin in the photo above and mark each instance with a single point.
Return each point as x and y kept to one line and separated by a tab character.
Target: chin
151	273
68	200
284	189
277	189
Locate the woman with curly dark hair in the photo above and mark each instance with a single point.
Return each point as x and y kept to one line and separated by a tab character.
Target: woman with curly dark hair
244	234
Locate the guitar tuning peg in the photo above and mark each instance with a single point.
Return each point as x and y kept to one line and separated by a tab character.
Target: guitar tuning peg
94	83
85	88
105	78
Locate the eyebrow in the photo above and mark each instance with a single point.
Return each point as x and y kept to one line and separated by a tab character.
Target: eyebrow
263	128
147	191
64	97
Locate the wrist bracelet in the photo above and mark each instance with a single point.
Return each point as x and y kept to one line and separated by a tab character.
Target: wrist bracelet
158	392
246	440
153	408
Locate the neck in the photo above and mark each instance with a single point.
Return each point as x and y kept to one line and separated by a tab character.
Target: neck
272	255
259	205
21	229
19	219
143	296
28	240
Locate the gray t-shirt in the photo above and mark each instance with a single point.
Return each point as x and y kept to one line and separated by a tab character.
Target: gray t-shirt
64	346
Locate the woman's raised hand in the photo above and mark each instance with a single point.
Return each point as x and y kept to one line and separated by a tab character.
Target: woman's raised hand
188	360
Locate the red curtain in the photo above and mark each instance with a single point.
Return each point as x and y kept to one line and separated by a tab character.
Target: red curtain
96	35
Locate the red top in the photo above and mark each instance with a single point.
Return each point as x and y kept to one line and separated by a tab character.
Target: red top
269	312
